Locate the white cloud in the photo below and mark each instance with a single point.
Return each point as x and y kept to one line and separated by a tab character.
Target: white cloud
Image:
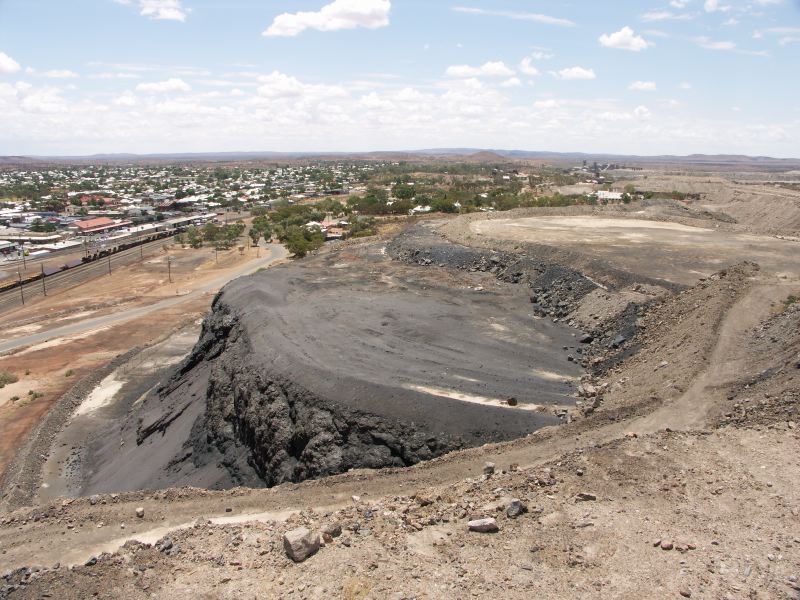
60	74
575	73
711	6
542	55
278	85
546	104
643	86
527	67
624	39
8	66
43	101
489	69
679	3
685	85
159	87
641	112
110	75
511	82
784	33
161	10
126	99
517	16
709	44
338	15
665	15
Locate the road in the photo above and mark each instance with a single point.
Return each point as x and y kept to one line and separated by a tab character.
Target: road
276	252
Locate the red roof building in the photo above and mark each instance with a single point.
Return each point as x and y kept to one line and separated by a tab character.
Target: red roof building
99	225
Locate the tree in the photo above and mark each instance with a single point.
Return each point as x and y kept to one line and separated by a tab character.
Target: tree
194	238
404	191
302	240
444	205
211	233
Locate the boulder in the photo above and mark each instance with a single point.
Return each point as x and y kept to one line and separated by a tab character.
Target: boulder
300	543
516	509
483	525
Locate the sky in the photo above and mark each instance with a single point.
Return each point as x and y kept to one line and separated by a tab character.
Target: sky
643	77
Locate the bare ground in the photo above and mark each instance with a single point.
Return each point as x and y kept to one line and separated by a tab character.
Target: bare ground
681	482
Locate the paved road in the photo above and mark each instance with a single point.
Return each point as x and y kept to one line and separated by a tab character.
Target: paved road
275	253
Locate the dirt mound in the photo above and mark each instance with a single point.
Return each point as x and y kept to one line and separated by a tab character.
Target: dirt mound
348	360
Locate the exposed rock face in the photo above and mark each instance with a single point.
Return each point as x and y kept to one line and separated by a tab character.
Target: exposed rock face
316	368
292	434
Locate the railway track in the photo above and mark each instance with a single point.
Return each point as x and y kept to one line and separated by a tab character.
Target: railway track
64	280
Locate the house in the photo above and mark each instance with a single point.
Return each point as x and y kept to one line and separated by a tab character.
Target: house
609	196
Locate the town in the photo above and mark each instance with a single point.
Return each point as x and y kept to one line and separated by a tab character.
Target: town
67	209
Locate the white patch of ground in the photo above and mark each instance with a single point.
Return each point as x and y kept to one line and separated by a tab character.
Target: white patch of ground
101	396
472	398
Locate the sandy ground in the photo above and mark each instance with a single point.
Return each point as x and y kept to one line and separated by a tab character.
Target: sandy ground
670	251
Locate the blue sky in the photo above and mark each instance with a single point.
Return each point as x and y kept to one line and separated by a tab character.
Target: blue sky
638	77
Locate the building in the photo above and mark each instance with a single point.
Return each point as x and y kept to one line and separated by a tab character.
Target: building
99	225
609	196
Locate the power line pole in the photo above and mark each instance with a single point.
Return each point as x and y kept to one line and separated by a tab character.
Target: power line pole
109	264
169	268
44	286
21	292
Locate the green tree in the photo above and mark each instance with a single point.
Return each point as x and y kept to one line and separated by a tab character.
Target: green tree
194	238
404	191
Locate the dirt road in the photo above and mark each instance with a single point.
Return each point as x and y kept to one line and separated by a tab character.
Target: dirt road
276	253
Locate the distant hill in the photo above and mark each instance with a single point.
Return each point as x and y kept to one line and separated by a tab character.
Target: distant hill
474	155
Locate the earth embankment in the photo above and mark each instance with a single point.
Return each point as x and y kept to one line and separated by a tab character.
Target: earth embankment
350	359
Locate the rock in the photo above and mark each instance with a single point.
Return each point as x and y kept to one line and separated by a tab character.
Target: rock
91	562
483	526
511	401
585	497
686	593
332	529
488	468
94	499
667	545
618	341
586	338
516	509
140	512
300	543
